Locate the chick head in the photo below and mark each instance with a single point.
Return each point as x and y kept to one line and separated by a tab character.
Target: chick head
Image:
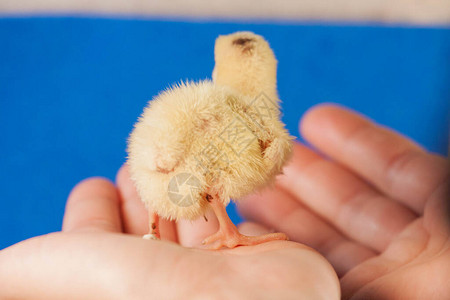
246	63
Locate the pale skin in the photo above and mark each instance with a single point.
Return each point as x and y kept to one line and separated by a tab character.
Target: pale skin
374	209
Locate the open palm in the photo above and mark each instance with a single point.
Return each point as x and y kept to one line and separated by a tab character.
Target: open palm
373	203
101	255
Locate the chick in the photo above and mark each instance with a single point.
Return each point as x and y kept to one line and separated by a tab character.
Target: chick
197	145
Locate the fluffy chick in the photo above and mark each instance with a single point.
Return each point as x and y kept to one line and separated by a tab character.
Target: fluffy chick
199	144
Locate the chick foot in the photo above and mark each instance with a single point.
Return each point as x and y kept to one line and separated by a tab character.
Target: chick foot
229	236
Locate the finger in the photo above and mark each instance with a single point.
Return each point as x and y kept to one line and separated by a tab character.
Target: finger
391	162
253	229
133	211
408	247
192	233
93	205
344	200
275	208
437	213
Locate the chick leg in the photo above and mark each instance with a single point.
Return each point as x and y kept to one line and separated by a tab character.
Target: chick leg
228	234
153	222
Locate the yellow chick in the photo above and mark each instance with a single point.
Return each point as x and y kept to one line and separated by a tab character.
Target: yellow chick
197	145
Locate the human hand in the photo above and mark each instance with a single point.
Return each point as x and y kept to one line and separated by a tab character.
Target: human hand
375	207
100	255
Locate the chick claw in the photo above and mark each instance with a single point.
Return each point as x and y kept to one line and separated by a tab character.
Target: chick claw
150	236
234	239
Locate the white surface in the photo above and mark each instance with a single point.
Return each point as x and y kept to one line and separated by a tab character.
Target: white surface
388	11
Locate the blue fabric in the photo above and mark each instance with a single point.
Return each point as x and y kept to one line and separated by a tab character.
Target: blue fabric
71	89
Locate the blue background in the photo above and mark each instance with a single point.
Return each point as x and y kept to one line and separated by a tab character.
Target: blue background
71	89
